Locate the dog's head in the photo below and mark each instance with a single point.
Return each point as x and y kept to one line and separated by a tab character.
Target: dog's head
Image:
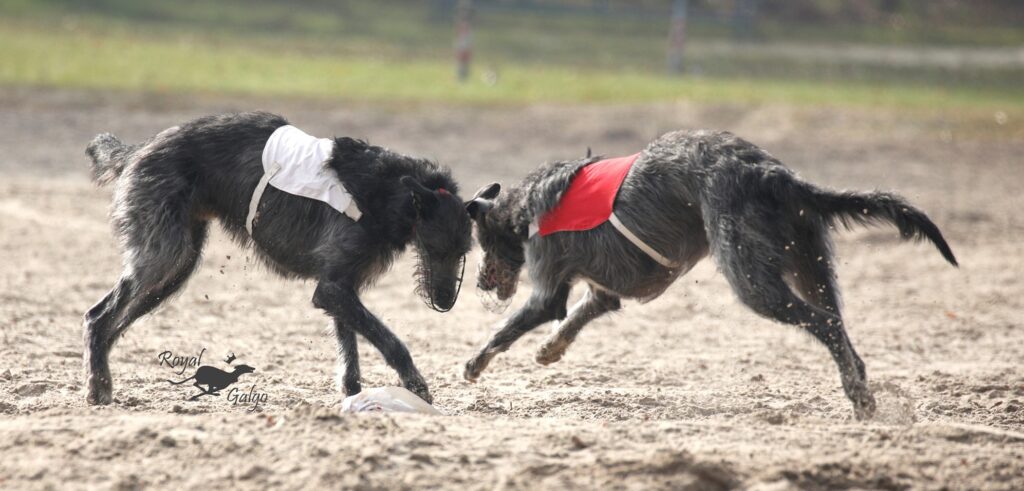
503	253
443	235
240	369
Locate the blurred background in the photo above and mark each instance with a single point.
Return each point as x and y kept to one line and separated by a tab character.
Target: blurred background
923	97
944	53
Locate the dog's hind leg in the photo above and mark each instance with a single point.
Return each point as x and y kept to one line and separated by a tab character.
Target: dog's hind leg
99	322
809	264
544	305
162	246
814	279
751	261
594	304
165	279
136	294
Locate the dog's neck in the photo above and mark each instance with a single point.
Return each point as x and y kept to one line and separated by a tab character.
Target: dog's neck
538	193
372	175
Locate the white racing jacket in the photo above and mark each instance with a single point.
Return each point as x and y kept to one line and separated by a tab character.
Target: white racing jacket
295	163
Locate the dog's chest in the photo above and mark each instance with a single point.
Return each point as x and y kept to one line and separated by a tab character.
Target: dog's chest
650	288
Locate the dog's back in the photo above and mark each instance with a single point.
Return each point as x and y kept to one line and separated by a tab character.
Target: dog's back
224	139
742	185
169	187
738	188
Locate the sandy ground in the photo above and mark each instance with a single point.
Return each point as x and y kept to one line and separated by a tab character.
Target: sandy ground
689	391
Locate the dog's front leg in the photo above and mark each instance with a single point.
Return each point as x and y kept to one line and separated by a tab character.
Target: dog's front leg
543	306
593	305
342	303
348	360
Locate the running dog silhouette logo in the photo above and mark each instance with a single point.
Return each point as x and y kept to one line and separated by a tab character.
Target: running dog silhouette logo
211	380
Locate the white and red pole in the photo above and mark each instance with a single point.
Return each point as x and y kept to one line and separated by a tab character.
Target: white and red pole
463	39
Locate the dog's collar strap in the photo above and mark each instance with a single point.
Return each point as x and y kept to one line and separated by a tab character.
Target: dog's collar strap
630	236
254	203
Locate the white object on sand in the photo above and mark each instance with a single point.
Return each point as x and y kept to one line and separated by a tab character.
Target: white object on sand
387	400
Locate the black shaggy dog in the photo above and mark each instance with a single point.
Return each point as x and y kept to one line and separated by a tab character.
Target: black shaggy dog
170	187
688	195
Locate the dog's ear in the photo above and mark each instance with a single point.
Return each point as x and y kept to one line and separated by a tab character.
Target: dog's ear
422	198
489	191
477	207
483	200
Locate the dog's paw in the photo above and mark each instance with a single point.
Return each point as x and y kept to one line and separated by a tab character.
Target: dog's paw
420	389
551	352
864	408
473	369
863	402
350	390
99	391
99	397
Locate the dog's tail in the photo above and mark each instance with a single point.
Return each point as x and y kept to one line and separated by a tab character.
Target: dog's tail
183	381
109	156
868	208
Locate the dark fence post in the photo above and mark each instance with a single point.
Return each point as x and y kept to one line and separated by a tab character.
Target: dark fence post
677	37
463	39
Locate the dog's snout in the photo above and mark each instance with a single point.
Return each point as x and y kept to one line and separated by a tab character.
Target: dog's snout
444	298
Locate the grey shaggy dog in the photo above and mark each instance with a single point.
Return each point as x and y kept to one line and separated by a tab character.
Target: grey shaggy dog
688	195
170	187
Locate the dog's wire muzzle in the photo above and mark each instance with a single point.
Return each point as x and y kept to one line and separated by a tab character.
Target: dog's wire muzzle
425	271
506	274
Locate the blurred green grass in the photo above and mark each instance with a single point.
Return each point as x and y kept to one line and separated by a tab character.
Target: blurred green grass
389	51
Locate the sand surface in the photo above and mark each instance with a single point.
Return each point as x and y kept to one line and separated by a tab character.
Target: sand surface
691	391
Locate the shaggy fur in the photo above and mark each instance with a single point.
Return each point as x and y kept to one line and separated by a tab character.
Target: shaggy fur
689	195
170	187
